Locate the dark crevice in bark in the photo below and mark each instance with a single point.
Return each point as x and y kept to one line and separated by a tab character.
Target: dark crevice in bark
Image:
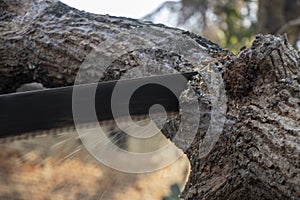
257	154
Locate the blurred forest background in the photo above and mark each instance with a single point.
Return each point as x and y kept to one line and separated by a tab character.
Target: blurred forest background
232	23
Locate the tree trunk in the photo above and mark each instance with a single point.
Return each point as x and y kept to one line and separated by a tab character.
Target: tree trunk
257	153
274	15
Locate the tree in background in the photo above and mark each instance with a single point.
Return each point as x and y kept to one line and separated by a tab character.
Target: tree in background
237	22
280	16
233	23
255	157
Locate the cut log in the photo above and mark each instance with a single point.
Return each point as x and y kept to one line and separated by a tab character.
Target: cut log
257	153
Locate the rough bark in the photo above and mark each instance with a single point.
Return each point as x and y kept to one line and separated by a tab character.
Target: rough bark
257	155
52	40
